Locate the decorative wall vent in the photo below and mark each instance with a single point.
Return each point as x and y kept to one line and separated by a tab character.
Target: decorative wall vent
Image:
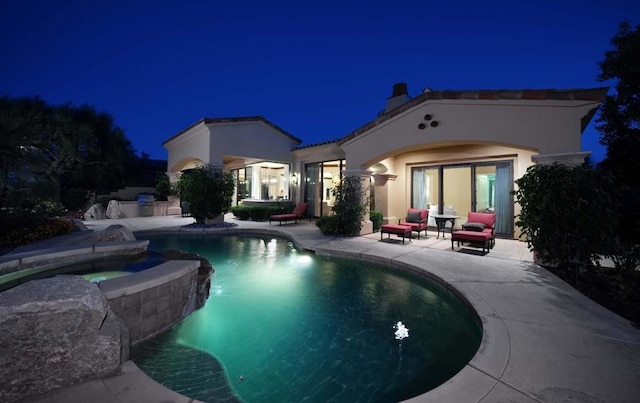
429	118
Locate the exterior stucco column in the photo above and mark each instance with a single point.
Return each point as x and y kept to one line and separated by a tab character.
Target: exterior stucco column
365	181
381	190
216	166
569	159
173	176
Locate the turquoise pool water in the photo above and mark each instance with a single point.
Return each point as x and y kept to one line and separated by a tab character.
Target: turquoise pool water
287	326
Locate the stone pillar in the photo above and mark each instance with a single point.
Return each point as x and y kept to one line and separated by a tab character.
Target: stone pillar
365	181
381	189
569	159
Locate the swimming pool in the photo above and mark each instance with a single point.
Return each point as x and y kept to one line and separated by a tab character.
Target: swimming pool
286	326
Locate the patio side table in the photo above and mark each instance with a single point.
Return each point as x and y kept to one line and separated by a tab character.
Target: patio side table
441	222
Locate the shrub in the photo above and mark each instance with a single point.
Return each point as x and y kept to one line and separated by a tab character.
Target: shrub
45	229
283	207
75	199
271	210
329	225
376	217
348	209
259	213
241	212
28	215
567	214
208	191
625	280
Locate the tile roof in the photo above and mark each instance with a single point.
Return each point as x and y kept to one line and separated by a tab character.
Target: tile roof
234	120
318	144
583	94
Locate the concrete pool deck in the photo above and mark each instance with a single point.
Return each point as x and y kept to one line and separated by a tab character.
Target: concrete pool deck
542	342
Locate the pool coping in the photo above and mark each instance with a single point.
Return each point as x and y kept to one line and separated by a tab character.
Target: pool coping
498	371
56	256
154	276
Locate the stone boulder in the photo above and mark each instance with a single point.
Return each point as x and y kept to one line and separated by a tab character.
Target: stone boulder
114	233
57	332
114	210
95	212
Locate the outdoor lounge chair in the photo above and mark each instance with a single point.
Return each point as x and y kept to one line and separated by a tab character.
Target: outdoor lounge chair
478	231
416	219
296	214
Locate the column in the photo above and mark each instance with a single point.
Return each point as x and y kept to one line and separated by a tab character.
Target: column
569	159
365	181
381	189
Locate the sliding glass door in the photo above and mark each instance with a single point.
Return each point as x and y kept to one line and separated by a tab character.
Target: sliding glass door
456	192
242	177
458	189
321	178
312	189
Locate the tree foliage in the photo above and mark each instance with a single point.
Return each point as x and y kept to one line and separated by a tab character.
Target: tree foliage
59	151
567	213
620	112
619	125
208	191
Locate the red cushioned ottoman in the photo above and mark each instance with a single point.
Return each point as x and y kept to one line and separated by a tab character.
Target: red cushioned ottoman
404	230
474	237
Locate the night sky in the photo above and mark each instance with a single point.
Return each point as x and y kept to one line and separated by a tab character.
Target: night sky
318	69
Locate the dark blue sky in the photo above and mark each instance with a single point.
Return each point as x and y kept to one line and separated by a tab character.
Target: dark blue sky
318	69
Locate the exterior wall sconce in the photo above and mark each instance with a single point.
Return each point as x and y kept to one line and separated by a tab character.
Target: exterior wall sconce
294	179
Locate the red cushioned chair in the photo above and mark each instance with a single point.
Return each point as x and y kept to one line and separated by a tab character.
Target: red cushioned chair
478	231
295	215
416	219
488	220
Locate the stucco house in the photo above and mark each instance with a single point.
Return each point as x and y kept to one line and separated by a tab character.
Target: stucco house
449	151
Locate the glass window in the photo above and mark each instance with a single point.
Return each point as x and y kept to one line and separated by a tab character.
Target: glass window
425	188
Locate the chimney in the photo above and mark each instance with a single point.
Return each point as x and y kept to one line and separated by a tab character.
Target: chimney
398	97
399	89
